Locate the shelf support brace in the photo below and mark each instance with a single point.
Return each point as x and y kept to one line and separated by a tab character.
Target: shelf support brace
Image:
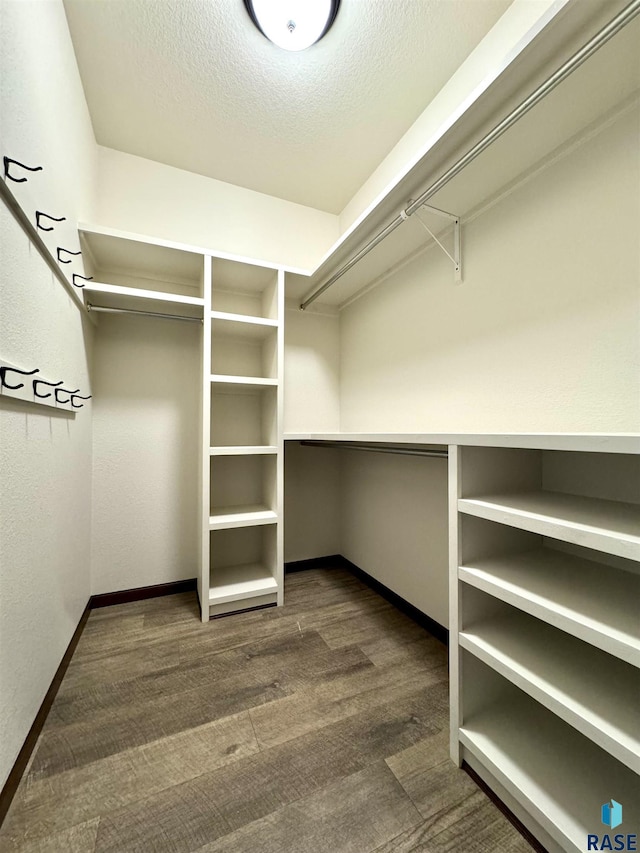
456	258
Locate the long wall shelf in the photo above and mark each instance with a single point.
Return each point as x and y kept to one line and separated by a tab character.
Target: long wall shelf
141	293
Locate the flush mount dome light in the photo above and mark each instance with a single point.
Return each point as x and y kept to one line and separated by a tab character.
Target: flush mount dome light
293	24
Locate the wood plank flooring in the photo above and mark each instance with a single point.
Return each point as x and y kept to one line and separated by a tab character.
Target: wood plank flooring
319	727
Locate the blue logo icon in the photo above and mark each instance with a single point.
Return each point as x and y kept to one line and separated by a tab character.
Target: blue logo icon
612	814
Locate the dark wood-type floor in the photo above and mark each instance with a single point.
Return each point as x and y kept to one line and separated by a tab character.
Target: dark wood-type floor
320	727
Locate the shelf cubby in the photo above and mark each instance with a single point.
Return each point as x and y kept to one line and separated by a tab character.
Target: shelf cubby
244	349
243	415
142	275
243	569
244	289
558	776
564	674
243	491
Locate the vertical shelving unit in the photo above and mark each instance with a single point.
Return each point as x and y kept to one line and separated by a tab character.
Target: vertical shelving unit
242	539
545	634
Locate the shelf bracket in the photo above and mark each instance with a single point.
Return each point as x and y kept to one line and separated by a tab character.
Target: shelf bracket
456	257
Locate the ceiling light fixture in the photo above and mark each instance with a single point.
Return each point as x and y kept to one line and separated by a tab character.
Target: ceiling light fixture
293	24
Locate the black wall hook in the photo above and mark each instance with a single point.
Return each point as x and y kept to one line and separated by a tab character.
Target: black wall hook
79	397
64	391
68	251
37	382
77	275
40	214
7	165
3	374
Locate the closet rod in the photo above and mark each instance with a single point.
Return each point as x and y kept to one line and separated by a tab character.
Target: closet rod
378	448
100	309
574	62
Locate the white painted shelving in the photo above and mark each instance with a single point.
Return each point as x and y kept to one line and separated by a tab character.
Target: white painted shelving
545	633
555	774
569	681
242	478
138	273
567	592
241	450
610	526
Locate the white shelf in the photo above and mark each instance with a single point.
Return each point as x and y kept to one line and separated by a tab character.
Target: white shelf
553	772
592	601
567	676
609	526
242	381
242	325
141	294
225	518
235	583
241	450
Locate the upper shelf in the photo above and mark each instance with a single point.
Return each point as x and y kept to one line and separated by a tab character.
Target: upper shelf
603	85
589	442
123	259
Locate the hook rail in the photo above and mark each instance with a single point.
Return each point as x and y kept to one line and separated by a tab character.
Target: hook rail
59	398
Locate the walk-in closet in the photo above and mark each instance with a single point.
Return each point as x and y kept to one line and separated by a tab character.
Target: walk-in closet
319	426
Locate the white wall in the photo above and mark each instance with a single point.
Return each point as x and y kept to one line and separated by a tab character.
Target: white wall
311	370
45	120
543	335
146	383
311	502
149	198
45	458
394	525
45	494
517	27
311	404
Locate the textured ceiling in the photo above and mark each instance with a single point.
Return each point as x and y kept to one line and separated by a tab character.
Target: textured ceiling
193	84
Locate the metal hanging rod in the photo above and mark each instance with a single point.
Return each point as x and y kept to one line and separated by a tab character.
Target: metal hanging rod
99	309
599	39
378	448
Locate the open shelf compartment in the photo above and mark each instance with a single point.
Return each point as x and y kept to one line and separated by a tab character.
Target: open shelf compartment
244	349
242	569
561	672
243	415
243	491
244	289
593	502
558	776
568	587
131	273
